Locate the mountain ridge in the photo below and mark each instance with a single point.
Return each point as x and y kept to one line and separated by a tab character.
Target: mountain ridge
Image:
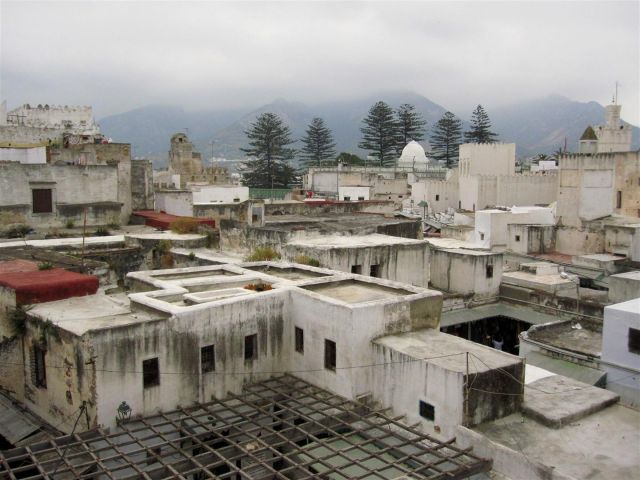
536	126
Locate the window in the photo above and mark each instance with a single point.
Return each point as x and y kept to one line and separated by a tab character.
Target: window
347	198
374	271
207	359
481	236
299	340
356	269
634	341
360	199
329	354
517	238
437	197
619	199
150	372
489	271
427	410
42	200
251	347
39	370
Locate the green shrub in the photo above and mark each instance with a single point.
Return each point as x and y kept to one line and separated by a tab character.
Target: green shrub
163	246
69	224
102	232
306	260
192	256
45	266
263	254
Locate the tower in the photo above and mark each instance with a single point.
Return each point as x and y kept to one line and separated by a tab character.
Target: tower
613	136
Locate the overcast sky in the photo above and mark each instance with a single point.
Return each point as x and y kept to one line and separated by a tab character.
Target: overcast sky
122	55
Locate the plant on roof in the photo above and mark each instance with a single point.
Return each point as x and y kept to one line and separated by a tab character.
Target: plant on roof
102	232
263	254
18	318
45	266
192	256
184	225
306	260
69	224
258	287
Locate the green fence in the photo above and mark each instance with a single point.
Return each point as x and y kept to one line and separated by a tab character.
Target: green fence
267	193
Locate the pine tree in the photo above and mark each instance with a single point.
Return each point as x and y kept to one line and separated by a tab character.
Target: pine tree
411	126
480	131
446	137
319	146
267	166
379	134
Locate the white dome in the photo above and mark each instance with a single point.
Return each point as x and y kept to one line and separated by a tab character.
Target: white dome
413	155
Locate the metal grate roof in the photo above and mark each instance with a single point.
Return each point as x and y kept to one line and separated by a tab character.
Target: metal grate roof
281	428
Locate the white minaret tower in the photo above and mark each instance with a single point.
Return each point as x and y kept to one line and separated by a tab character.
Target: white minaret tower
614	136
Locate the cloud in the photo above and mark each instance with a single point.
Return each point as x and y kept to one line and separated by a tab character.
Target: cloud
121	55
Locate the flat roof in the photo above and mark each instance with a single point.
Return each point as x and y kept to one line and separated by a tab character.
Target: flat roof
601	446
448	351
48	285
579	337
635	275
354	241
280	428
630	306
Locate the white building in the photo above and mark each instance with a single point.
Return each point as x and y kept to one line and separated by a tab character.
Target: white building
492	230
413	157
621	349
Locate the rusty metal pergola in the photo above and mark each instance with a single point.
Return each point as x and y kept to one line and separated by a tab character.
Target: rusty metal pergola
280	428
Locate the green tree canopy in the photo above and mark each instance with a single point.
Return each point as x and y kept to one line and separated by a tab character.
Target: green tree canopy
411	126
268	152
480	131
319	146
446	137
350	159
379	134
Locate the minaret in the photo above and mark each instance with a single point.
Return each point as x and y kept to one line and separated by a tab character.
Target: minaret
588	142
614	136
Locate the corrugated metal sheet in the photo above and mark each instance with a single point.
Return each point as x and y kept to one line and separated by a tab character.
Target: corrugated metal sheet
14	424
466	315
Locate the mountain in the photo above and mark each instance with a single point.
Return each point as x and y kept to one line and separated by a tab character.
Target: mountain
536	126
542	125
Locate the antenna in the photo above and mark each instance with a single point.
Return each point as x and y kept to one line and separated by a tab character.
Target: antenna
615	101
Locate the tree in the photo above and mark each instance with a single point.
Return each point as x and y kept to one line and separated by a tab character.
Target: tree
480	131
350	159
379	134
446	137
268	165
319	146
411	126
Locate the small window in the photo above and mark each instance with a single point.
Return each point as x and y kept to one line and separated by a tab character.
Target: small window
299	340
346	198
207	359
517	238
427	410
39	374
251	347
619	199
329	354
150	372
374	271
356	269
634	341
42	200
489	271
360	199
481	236
437	198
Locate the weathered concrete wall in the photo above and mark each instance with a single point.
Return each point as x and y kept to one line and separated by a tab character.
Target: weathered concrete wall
73	188
112	154
466	272
623	240
439	194
175	202
142	191
177	342
624	287
35	155
487	159
70	377
401	263
527	239
321	208
220	194
579	241
627	182
527	189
